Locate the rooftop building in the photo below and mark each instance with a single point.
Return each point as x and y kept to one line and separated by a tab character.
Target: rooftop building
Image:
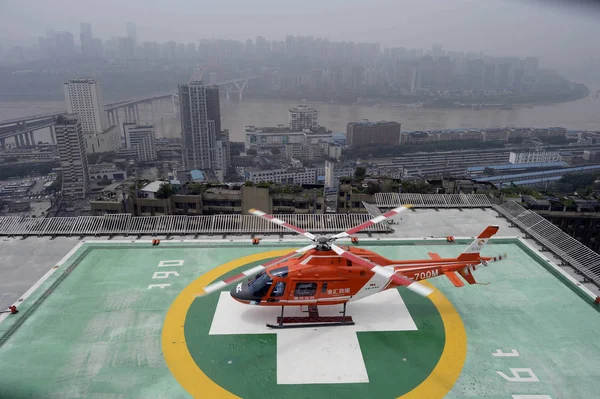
84	98
73	157
372	133
302	117
141	139
280	136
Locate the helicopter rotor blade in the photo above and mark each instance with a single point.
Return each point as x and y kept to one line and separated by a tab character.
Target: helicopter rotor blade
282	223
375	268
218	285
375	220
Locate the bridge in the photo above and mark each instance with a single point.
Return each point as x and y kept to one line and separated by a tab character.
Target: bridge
22	129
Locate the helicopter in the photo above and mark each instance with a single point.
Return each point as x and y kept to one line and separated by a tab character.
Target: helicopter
325	274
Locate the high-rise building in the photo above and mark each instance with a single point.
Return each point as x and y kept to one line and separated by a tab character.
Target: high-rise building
222	156
73	157
302	117
132	31
87	39
372	133
213	107
84	98
107	141
140	139
200	116
65	44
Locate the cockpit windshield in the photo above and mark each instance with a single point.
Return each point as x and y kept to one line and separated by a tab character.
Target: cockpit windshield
260	285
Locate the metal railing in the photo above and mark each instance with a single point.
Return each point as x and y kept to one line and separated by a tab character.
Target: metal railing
125	224
571	251
382	200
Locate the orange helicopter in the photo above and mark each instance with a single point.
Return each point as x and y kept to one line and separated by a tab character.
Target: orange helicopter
327	274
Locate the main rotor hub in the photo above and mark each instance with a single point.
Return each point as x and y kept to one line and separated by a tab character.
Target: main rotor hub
323	243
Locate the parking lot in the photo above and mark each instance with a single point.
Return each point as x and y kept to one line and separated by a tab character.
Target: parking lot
27	190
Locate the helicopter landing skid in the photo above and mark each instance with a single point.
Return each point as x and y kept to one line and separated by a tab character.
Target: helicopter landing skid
312	320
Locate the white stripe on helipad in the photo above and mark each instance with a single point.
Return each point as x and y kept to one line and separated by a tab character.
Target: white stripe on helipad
41	281
319	355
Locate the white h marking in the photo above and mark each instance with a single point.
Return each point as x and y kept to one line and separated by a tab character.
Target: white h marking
324	355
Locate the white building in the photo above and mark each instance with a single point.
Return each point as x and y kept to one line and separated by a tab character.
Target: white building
106	141
84	98
284	176
534	157
334	151
302	117
335	171
221	159
73	157
151	189
280	136
141	139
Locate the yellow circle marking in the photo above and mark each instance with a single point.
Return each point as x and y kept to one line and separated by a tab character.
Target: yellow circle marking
190	376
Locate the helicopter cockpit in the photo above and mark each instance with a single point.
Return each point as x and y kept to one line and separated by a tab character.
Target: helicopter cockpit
258	287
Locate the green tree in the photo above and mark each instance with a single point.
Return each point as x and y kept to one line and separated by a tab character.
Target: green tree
359	173
196	188
166	190
372	188
415	187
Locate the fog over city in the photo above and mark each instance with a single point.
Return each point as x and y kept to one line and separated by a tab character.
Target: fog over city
184	182
558	32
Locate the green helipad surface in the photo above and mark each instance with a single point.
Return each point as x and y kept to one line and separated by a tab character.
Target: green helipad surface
94	330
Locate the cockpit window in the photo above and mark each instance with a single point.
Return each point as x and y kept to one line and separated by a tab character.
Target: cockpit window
279	289
260	285
280	272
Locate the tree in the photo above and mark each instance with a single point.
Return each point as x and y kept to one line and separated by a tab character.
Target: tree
359	173
372	188
196	188
416	187
579	182
166	190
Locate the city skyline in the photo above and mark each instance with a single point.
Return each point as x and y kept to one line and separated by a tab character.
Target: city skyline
455	23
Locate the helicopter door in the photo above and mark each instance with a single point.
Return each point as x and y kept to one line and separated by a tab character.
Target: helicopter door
278	289
305	291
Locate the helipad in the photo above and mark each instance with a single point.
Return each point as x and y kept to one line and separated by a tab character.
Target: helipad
118	319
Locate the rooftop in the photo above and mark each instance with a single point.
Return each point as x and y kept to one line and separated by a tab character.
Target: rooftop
97	318
370	123
524	176
154	186
197	175
300	108
519	166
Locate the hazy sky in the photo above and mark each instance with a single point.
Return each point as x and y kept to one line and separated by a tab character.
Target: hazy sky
498	27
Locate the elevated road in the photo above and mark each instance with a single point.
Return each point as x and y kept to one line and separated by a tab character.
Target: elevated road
22	128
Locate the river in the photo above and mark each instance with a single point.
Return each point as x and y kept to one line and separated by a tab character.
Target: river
583	114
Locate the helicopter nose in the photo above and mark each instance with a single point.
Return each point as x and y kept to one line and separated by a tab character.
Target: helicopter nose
241	293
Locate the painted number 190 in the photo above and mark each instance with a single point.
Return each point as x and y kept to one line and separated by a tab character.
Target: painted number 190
165	274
